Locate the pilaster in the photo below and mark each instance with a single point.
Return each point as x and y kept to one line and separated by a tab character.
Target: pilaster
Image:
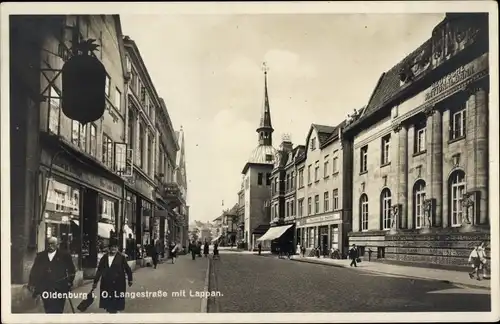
435	162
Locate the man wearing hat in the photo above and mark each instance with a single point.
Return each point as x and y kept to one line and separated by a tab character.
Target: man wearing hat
111	271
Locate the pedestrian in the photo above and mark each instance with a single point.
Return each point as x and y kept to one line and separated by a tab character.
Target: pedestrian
303	250
206	249
259	247
318	251
111	271
369	254
199	248
192	249
53	272
477	258
131	247
174	251
155	251
216	251
298	249
353	255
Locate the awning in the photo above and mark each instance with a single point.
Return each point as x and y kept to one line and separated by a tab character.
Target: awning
274	233
103	229
261	229
216	239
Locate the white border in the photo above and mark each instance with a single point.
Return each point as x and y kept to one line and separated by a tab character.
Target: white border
251	8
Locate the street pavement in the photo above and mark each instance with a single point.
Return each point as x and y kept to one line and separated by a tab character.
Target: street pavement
251	283
185	274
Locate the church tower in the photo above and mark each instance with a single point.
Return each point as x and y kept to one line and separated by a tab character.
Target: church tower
257	177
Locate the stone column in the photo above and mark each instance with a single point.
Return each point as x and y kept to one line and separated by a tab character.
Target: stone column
434	184
402	174
477	147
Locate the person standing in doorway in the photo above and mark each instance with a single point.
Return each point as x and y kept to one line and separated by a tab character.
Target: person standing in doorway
53	271
111	271
353	255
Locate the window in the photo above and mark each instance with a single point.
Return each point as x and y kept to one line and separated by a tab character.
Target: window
316	204
418	202
335	165
363	159
386	145
269	157
107	150
150	153
309	179
287	209
131	128
309	201
259	179
118	99
287	182
54	111
301	178
363	211
107	88
325	169
268	179
93	140
301	207
316	171
78	134
326	199
458	124
292	209
140	146
386	209
277	184
335	195
293	180
457	190
313	144
419	139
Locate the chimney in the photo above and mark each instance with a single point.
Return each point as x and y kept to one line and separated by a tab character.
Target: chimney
286	143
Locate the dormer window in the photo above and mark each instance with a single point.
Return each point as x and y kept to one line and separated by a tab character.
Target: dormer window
269	157
313	143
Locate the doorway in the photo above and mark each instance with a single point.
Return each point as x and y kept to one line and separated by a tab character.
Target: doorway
323	239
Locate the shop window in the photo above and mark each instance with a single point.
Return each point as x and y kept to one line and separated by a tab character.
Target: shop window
311	237
62	215
418	202
456	189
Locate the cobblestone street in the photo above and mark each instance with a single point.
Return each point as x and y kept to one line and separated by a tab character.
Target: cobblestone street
250	283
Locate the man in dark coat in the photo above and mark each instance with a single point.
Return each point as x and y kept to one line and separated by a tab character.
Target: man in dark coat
192	249
353	255
53	272
131	248
111	270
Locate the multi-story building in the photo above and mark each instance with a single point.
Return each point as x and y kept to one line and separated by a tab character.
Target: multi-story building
420	150
257	178
65	176
282	201
240	229
322	221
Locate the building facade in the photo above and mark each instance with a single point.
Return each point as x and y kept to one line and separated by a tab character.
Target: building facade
321	221
182	210
420	150
257	178
71	173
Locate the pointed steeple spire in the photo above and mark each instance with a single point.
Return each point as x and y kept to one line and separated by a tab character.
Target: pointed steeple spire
265	129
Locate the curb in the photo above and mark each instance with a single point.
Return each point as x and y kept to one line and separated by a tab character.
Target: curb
405	276
204	301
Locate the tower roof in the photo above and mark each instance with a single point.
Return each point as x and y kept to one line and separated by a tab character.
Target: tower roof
265	118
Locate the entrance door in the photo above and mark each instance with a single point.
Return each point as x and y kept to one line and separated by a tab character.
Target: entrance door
323	236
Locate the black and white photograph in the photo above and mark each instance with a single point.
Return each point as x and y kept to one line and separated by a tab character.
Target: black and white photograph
240	161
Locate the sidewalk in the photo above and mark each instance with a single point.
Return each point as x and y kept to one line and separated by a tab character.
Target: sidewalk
455	277
185	275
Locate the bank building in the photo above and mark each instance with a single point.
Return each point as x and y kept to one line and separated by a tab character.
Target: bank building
420	151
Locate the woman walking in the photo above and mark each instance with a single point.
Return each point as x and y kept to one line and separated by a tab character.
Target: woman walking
174	251
111	271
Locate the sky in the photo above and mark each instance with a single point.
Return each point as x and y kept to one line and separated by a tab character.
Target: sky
208	69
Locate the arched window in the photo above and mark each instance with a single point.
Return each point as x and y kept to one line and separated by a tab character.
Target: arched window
456	189
418	203
385	203
363	212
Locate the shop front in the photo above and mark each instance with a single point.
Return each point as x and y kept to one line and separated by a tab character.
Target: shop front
82	208
323	232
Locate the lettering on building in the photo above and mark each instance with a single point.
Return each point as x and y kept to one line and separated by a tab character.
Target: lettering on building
459	75
324	218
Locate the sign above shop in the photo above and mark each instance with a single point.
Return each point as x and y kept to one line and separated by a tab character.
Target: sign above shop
323	218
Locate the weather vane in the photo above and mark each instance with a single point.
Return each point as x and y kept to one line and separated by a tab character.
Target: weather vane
265	68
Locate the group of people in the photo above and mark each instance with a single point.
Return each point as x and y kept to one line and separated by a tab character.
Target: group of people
195	249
